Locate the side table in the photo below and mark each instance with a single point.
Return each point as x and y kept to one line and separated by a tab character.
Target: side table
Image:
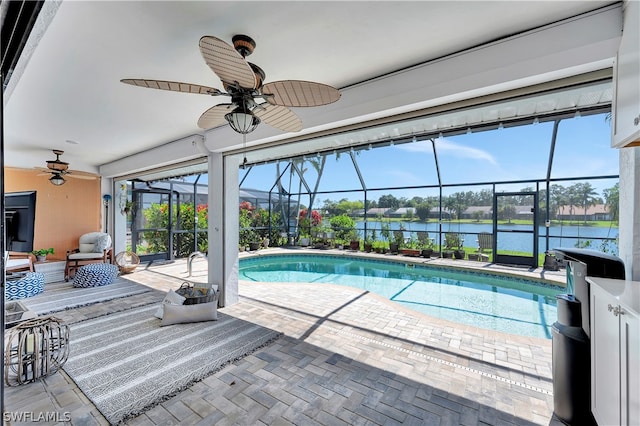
53	270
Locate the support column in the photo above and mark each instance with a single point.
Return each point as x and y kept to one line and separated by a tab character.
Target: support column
223	227
629	225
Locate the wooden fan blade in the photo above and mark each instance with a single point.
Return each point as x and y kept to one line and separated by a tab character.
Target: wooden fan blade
227	63
214	116
298	93
174	86
279	117
80	175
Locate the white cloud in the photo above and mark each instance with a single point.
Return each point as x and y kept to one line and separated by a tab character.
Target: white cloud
446	147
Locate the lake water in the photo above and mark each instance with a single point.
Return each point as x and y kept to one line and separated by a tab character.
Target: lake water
560	236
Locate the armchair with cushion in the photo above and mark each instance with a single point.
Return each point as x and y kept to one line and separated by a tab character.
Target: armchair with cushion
94	247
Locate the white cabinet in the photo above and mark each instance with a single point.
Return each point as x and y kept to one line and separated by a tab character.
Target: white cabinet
625	117
605	357
615	351
630	368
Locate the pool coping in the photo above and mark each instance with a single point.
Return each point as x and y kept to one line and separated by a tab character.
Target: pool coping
539	275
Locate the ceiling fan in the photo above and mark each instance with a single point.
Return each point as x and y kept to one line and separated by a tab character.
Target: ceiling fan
58	169
252	100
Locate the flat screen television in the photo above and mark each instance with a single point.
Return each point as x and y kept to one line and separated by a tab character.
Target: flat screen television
20	218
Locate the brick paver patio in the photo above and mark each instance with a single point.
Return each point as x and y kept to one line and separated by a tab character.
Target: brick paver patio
346	357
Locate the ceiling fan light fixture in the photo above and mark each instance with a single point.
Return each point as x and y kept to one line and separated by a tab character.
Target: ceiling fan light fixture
57	164
57	179
243	44
242	121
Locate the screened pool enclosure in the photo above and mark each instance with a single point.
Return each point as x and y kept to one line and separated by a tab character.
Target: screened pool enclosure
523	179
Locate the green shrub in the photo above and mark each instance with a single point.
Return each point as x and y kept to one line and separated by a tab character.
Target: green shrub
344	227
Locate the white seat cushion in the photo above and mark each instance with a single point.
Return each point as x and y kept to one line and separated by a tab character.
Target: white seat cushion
84	256
17	263
95	242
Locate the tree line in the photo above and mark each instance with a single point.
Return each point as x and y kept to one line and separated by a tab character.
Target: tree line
581	195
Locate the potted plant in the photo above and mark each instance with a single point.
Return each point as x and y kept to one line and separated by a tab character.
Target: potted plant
128	206
459	253
425	243
41	254
369	240
411	248
380	246
398	241
304	227
453	246
385	230
354	242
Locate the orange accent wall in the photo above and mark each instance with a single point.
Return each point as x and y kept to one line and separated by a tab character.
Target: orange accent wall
63	213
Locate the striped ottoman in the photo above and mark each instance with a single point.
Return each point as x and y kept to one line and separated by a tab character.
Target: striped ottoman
95	275
31	284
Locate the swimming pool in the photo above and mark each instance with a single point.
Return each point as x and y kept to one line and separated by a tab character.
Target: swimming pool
494	302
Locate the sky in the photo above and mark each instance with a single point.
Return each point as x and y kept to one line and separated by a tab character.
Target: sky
507	154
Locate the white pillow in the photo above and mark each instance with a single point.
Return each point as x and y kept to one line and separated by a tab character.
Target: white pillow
172	298
179	314
86	248
102	243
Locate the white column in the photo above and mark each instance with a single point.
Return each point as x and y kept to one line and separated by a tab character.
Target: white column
223	227
629	241
116	209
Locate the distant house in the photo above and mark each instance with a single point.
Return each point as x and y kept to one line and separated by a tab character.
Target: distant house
403	212
477	212
435	214
595	212
357	213
524	212
378	211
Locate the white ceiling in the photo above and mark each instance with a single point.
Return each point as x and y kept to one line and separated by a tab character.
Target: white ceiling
67	86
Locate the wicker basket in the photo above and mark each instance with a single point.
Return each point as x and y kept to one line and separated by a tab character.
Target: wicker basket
194	295
127	261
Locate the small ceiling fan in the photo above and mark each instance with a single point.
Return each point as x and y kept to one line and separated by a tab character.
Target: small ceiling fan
251	100
58	169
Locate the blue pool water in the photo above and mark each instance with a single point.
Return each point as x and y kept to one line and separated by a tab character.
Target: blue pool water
506	304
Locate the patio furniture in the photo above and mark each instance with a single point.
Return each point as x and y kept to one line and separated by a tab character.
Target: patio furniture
485	242
53	270
16	312
93	247
23	285
95	275
128	261
34	349
15	262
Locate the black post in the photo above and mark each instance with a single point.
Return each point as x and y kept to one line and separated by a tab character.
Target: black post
106	198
